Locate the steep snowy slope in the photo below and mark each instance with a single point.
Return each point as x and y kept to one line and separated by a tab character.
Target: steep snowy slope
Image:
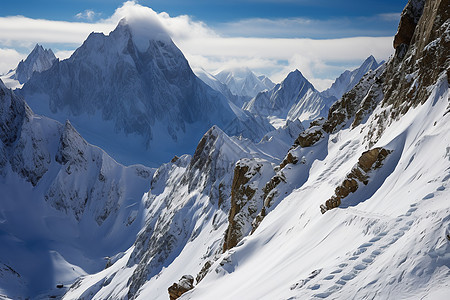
389	238
38	60
294	98
347	80
357	209
65	204
243	82
186	208
133	94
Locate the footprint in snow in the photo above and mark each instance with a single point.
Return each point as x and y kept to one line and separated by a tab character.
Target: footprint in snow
329	277
429	196
360	267
441	188
336	271
348	277
377	238
367	260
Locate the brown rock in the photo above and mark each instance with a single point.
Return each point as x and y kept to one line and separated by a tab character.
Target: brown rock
185	284
240	195
289	159
309	137
372	159
368	161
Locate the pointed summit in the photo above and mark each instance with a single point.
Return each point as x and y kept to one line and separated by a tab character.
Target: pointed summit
347	80
38	60
294	98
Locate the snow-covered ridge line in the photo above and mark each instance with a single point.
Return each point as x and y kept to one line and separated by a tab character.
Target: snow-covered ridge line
64	193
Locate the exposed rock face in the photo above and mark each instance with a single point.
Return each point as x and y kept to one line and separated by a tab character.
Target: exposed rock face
347	80
408	21
311	135
244	204
22	145
355	105
289	159
408	78
185	284
368	161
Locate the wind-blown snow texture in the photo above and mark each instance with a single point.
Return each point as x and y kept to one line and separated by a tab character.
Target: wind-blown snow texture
136	98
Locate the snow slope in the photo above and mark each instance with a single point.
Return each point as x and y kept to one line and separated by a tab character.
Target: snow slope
65	204
388	241
262	233
186	211
135	96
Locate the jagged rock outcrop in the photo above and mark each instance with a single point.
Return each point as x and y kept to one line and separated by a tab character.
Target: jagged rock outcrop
358	103
38	60
347	80
248	176
177	189
408	22
369	161
311	135
23	145
186	283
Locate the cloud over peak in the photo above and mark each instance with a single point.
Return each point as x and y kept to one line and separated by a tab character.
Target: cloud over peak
227	45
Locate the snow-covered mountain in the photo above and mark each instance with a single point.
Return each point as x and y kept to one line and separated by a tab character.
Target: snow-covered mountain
217	85
38	60
60	197
294	98
358	207
243	82
133	94
347	80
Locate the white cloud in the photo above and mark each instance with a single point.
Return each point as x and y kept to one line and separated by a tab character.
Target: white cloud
88	14
63	54
320	60
9	59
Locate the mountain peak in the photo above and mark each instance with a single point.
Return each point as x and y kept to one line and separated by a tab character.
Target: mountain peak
38	60
143	29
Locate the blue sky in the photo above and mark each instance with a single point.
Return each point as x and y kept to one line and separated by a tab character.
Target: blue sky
324	36
359	14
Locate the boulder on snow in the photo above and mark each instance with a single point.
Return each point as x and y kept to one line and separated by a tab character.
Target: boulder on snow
185	284
368	161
